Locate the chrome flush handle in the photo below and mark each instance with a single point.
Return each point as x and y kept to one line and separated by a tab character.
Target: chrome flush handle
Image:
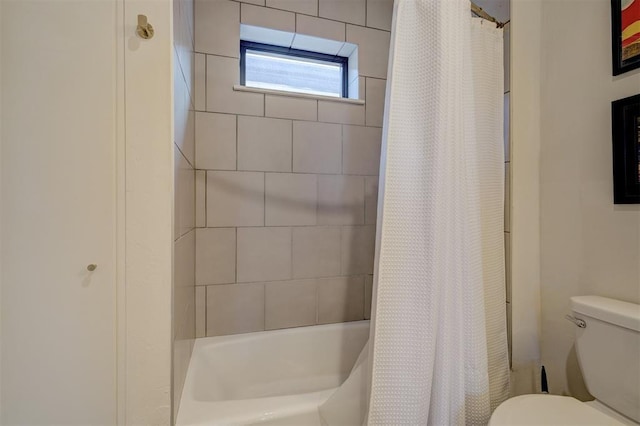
577	321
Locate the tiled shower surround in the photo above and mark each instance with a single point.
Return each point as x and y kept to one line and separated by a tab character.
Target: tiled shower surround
184	197
286	186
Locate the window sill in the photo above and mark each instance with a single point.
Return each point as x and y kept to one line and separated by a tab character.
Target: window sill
240	88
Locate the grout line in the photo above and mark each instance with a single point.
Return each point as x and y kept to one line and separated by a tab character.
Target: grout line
325	225
291	253
342	149
264	306
365	100
205	311
217	54
205	198
317	199
205	82
314	16
317	299
236	262
366	15
271	281
236	140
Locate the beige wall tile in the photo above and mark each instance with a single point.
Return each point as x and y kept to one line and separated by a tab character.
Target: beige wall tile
235	308
235	199
375	89
264	254
319	27
183	288
368	292
290	199
340	299
264	144
373	50
510	335
335	112
268	18
316	251
507	121
361	150
379	14
184	56
215	141
200	92
507	260
215	256
201	311
184	263
290	304
340	200
358	249
183	129
317	147
184	197
201	197
507	57
217	27
370	199
182	349
309	7
222	74
353	11
289	107
256	2
507	197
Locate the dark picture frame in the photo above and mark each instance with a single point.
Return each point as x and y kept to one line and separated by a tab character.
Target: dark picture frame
625	18
625	120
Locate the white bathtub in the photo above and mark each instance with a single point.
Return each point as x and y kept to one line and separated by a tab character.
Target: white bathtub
269	378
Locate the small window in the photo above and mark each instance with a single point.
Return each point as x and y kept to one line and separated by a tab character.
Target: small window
282	68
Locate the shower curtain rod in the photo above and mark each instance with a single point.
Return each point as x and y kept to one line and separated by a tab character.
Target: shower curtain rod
478	11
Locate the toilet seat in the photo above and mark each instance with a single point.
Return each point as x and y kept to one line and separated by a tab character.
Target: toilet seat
548	410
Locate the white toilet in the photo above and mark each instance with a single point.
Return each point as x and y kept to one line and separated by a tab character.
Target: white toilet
608	347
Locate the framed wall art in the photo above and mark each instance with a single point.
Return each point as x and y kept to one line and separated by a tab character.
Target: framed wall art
625	114
625	37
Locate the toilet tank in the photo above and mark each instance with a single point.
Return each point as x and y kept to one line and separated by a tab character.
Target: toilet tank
609	351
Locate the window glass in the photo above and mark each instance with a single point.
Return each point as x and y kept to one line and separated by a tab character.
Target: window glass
294	73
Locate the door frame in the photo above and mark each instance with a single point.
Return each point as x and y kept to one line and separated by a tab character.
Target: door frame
144	214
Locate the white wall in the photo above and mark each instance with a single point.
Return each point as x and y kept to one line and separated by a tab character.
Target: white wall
525	30
588	244
149	221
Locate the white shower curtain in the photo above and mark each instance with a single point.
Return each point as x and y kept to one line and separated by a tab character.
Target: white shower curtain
438	348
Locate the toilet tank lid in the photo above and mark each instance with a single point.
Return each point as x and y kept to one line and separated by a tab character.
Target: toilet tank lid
623	314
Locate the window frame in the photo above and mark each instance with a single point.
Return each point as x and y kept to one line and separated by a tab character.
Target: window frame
294	53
